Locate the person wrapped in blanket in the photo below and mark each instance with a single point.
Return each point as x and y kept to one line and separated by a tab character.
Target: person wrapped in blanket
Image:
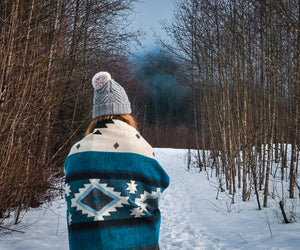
113	182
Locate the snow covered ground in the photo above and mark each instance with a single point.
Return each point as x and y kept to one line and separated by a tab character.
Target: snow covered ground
192	217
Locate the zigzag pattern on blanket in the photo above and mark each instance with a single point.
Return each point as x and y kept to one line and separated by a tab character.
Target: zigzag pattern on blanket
114	136
113	190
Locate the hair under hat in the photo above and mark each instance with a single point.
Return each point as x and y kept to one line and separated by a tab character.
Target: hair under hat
110	97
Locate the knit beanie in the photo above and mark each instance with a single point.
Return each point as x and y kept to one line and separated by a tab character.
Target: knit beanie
109	97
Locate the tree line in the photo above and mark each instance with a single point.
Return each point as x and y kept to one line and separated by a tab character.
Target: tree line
241	61
49	50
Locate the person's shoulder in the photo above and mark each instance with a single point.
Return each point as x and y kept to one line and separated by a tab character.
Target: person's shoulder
130	140
114	137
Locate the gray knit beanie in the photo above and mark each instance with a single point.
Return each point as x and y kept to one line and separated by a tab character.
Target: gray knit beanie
109	97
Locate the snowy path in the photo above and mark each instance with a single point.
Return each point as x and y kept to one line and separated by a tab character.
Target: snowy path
192	218
180	207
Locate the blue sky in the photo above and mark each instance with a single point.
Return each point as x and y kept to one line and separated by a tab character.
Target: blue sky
148	15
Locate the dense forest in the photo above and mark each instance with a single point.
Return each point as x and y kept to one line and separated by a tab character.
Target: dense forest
228	82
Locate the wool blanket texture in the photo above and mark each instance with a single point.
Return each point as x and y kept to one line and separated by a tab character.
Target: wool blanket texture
112	189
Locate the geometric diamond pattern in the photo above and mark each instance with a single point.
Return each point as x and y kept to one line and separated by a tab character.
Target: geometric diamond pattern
98	200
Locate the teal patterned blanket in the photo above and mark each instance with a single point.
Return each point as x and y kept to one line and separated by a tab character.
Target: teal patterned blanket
112	189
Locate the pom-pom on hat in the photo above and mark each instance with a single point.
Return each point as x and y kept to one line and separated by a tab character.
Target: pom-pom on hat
110	97
100	79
